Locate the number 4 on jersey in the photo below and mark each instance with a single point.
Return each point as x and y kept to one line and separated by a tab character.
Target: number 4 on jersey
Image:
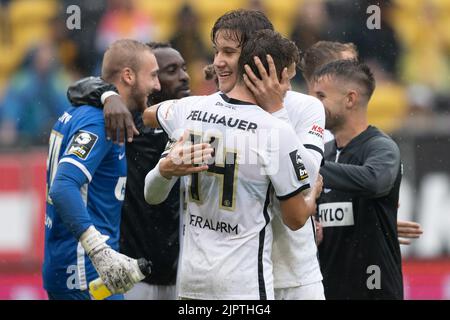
224	167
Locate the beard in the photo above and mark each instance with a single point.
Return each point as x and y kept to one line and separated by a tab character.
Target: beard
333	122
138	98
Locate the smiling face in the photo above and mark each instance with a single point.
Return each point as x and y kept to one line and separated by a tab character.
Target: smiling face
226	58
333	98
147	81
172	74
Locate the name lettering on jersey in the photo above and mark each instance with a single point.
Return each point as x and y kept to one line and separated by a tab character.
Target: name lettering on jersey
336	214
65	118
299	167
82	143
317	131
208	117
219	226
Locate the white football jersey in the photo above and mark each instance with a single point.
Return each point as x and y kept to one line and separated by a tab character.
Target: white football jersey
228	236
294	253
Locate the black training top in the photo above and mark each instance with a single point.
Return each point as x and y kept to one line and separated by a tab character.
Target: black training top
360	253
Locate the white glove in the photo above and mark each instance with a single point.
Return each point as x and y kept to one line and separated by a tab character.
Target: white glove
118	272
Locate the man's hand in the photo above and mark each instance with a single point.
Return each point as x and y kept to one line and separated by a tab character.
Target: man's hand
268	91
118	272
185	158
408	230
118	120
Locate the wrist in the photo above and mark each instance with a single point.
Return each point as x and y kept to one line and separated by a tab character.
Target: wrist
162	169
106	95
92	240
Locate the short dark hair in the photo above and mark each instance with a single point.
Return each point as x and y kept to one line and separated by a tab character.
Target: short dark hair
242	23
349	71
321	53
263	42
158	45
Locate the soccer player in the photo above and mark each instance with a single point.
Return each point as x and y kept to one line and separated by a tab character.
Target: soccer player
86	177
360	254
314	57
228	238
296	268
150	231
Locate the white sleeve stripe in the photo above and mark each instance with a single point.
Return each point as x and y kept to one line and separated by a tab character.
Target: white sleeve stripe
81	267
314	147
290	195
79	166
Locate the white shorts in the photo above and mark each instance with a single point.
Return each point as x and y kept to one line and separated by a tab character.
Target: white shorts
313	291
145	291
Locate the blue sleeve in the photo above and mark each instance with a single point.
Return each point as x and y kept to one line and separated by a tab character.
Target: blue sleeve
67	200
87	147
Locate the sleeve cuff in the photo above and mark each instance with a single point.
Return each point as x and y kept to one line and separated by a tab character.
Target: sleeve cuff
106	95
290	195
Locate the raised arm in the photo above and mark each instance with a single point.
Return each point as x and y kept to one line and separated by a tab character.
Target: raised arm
94	91
372	179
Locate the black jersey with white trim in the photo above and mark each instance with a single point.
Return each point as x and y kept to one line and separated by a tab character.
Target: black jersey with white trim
149	231
360	253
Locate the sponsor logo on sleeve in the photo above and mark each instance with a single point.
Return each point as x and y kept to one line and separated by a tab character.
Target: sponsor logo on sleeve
317	131
82	144
299	167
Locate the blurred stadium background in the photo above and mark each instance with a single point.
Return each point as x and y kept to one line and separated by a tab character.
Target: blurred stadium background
40	56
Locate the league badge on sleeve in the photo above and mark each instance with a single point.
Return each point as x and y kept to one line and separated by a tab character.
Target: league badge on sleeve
299	167
82	143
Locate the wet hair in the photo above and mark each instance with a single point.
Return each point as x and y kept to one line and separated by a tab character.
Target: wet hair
284	52
321	53
124	53
348	71
240	25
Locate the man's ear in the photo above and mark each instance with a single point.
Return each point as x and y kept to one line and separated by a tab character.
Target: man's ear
351	99
128	76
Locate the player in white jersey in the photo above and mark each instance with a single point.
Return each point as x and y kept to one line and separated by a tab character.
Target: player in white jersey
228	240
295	253
296	269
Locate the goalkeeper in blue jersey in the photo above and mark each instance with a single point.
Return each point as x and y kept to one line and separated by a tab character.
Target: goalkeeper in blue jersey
86	177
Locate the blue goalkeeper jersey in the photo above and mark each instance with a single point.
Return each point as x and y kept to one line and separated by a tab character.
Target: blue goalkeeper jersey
80	155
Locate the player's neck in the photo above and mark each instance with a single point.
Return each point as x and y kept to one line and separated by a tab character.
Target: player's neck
349	131
240	92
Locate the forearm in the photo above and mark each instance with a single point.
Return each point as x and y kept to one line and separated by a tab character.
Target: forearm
68	202
366	180
149	117
157	188
297	210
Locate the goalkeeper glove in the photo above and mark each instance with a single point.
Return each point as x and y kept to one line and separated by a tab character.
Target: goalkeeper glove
118	272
